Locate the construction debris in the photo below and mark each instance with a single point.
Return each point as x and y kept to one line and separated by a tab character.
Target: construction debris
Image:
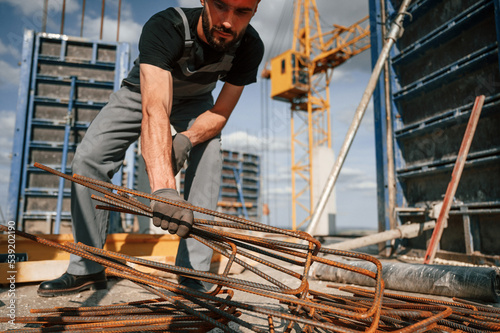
179	308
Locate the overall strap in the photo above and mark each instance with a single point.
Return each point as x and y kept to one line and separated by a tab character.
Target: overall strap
188	41
203	80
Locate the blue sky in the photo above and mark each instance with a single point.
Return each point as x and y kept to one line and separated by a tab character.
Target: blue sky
356	187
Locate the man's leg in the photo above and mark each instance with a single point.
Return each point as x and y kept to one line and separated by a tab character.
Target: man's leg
201	188
201	185
99	156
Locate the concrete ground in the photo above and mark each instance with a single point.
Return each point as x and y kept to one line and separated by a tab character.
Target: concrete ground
120	291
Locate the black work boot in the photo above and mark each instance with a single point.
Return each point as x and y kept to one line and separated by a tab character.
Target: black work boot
69	284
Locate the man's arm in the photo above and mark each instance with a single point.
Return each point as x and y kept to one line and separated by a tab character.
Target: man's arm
156	137
211	122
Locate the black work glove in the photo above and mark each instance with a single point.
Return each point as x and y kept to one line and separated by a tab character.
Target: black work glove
174	219
181	146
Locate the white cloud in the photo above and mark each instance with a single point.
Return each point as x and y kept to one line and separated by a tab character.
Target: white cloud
9	49
6	139
339	75
362	186
243	141
279	191
278	178
356	180
9	75
346	115
31	13
34	7
130	31
6	128
189	3
267	21
275	14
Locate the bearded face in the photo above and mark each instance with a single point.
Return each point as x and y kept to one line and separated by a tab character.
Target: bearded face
219	37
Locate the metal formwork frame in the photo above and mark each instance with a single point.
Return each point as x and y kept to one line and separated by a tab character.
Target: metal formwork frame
425	135
240	185
20	126
32	77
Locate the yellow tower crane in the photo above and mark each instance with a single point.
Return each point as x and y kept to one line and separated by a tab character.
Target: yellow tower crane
301	76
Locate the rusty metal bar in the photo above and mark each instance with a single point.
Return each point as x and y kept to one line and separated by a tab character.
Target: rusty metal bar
455	179
63	13
83	17
102	18
312	310
187	309
118	23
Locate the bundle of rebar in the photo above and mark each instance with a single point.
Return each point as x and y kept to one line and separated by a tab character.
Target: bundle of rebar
242	242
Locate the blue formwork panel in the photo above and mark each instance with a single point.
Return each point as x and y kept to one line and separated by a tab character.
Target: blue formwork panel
240	185
239	193
446	57
65	81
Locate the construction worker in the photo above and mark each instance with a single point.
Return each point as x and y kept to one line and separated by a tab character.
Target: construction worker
182	54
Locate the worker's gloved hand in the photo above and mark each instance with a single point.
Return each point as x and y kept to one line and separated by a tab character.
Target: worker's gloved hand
174	219
181	146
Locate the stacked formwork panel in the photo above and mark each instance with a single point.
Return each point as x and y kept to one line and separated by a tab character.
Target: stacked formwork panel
64	83
239	193
446	57
240	185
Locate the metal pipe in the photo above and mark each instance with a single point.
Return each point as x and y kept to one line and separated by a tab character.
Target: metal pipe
479	283
383	17
395	32
64	158
391	179
475	212
455	179
404	231
44	18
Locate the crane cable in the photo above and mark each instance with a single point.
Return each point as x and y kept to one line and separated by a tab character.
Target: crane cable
283	27
277	46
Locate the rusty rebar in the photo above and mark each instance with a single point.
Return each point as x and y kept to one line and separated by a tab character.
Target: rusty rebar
242	241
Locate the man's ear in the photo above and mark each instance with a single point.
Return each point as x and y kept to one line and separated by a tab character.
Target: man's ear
255	11
202	2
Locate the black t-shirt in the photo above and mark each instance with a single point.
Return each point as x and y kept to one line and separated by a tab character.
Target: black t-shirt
162	44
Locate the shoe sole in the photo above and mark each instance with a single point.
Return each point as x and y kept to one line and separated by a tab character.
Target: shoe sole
62	292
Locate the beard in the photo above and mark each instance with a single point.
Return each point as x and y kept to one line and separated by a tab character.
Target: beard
219	44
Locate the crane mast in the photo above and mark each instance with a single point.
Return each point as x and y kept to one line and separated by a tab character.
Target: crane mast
302	76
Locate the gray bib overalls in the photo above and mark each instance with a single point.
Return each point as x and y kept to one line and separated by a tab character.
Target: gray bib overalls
117	126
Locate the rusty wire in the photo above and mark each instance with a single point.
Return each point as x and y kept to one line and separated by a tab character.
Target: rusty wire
242	241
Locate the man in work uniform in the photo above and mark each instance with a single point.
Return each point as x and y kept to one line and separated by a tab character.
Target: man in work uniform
182	54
